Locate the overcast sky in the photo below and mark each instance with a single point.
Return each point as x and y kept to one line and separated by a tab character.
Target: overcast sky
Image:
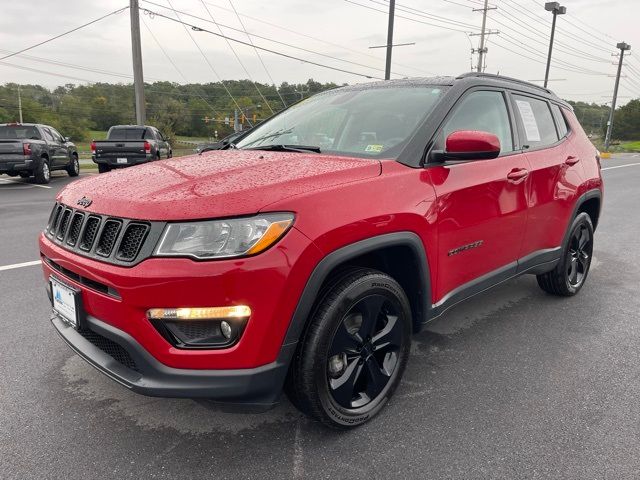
339	29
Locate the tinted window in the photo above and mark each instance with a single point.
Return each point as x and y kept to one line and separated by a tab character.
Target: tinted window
48	135
19	132
560	121
127	134
57	135
148	134
366	122
538	126
485	111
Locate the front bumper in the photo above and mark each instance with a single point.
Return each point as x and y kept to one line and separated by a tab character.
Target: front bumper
120	357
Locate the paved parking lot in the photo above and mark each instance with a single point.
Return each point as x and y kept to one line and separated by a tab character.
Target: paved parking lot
512	384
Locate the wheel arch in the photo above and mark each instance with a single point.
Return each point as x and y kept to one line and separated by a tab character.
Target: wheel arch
387	253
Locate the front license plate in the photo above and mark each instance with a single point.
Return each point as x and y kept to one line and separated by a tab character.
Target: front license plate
64	302
121	160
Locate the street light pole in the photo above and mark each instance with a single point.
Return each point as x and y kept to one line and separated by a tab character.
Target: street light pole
607	139
556	9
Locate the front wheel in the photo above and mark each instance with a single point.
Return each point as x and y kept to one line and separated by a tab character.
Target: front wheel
355	350
571	272
74	167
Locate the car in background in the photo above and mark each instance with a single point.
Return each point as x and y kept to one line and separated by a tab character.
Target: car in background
128	145
35	150
221	144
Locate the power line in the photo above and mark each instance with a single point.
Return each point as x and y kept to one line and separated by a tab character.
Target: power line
65	33
174	64
206	59
257	52
306	50
292	57
320	40
422	13
238	58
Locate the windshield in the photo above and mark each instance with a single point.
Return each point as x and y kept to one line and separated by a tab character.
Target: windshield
19	132
376	122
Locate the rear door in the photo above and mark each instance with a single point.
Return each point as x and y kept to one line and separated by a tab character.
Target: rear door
62	150
482	204
555	175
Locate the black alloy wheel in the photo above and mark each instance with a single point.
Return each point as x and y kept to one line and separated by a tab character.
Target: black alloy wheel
570	274
364	351
352	356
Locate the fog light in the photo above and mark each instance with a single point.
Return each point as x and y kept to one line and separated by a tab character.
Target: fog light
225	328
207	313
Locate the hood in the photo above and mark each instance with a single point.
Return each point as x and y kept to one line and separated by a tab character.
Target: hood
214	184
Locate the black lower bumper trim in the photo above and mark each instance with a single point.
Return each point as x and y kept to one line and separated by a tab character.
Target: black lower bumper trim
256	387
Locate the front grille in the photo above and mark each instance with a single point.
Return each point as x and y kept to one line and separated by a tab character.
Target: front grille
120	241
132	241
111	348
74	229
90	233
108	237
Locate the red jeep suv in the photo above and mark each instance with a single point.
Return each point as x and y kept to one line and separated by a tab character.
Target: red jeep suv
302	257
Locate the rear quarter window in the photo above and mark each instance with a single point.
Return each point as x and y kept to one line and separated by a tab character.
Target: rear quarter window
537	126
561	121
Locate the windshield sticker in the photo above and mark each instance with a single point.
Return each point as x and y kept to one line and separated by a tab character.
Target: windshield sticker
529	121
373	148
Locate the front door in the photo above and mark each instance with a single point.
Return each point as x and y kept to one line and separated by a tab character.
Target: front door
481	204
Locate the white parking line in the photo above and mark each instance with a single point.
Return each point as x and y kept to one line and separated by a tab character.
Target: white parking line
23	183
622	166
20	265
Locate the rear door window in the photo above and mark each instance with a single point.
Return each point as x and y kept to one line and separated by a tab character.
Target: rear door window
48	135
538	128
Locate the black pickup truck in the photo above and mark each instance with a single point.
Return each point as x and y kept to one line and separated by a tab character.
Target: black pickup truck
30	149
128	145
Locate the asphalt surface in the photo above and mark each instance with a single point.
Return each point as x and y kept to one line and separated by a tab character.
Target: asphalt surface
513	384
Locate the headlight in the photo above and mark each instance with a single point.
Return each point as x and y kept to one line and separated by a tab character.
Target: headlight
234	237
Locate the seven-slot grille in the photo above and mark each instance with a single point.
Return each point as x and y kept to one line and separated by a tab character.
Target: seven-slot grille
110	239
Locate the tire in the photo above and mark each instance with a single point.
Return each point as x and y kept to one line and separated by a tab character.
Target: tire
170	154
74	167
568	277
43	172
354	351
103	168
12	174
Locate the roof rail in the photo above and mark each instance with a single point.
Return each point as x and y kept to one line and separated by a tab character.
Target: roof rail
500	77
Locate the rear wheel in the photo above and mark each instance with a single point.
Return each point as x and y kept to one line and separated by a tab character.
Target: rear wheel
42	172
355	350
571	272
103	168
74	167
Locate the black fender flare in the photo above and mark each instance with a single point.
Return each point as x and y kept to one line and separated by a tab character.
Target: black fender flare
588	195
322	270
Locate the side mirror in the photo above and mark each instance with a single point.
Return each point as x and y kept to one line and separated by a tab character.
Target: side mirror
67	139
469	145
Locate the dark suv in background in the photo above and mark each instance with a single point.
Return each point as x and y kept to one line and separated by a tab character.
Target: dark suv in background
128	145
30	149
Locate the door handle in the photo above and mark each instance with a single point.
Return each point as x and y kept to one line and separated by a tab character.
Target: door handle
517	175
571	160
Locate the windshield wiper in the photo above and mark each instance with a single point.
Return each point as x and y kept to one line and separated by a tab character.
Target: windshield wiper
277	133
286	148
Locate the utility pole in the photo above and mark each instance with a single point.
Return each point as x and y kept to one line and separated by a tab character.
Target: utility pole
136	49
392	14
556	9
19	104
482	49
622	46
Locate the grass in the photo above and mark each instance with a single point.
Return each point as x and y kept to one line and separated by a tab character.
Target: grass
631	146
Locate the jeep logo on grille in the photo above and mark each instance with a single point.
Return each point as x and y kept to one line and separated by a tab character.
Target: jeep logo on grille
84	202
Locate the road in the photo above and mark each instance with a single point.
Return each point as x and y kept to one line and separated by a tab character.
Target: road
512	384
